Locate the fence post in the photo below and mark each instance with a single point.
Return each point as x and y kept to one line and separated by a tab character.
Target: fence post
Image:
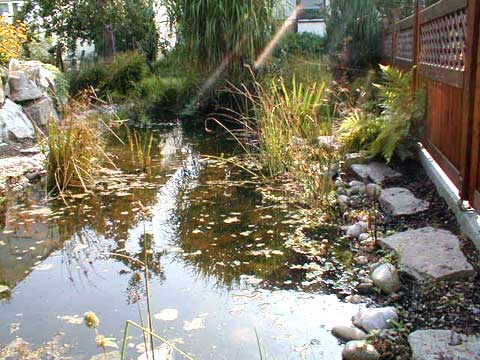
469	155
416	45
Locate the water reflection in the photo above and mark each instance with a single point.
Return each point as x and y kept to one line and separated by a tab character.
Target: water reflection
215	248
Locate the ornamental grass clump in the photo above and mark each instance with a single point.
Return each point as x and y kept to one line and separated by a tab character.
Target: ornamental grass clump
75	148
291	123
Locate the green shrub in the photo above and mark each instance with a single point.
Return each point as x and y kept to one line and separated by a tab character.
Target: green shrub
301	44
62	85
389	133
94	74
126	71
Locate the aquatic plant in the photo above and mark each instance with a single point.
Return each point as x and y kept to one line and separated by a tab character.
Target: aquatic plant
74	149
290	124
141	145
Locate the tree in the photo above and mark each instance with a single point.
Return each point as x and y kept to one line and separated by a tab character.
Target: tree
109	24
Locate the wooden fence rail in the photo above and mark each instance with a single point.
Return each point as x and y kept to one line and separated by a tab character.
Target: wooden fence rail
441	44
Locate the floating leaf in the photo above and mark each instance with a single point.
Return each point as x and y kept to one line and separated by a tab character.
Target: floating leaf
167	315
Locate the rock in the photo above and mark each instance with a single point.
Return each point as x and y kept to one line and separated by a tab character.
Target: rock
356	299
373	191
348	333
361	260
14	124
355	183
375	171
357	229
22	87
385	277
2	93
430	253
4	289
400	201
359	350
341	191
443	344
363	237
339	184
365	288
376	318
343	200
41	111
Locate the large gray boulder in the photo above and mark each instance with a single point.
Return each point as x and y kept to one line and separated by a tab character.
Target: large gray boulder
376	318
443	344
14	124
375	171
359	350
429	254
23	86
400	201
41	111
385	277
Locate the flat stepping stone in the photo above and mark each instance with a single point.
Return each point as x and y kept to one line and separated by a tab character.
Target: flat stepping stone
430	254
375	171
401	201
443	344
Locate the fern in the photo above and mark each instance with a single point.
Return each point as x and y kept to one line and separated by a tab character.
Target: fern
389	133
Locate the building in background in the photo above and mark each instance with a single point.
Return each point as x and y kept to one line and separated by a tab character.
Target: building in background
311	19
8	8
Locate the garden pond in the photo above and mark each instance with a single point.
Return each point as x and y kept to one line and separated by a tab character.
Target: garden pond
224	282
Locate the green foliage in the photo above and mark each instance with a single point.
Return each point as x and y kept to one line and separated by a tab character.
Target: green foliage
301	44
388	133
354	32
125	72
70	22
94	74
61	83
226	30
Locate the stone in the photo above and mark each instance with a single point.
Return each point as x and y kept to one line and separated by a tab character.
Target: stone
343	200
41	111
385	277
375	171
355	183
364	236
373	191
443	344
356	299
2	93
14	124
401	201
4	289
429	254
348	333
357	229
366	288
22	88
376	318
360	350
361	260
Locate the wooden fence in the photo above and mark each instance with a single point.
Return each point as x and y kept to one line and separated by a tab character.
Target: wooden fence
441	44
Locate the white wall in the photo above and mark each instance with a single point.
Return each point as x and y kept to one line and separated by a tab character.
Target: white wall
317	27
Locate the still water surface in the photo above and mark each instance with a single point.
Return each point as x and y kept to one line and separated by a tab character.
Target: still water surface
217	257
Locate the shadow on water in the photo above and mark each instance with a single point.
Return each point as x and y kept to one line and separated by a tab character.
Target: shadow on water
218	257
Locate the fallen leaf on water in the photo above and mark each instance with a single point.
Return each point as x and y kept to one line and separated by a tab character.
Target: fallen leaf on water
72	319
195	324
167	315
231	220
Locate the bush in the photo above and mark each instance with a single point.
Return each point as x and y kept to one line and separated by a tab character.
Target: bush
301	44
12	36
390	132
95	74
126	71
159	96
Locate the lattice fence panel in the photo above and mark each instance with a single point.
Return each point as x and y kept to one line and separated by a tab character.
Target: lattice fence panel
388	46
443	41
405	44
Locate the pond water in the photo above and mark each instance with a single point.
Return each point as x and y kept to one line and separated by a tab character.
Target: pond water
222	283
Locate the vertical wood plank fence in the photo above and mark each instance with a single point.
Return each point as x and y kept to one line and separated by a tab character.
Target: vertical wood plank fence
441	44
